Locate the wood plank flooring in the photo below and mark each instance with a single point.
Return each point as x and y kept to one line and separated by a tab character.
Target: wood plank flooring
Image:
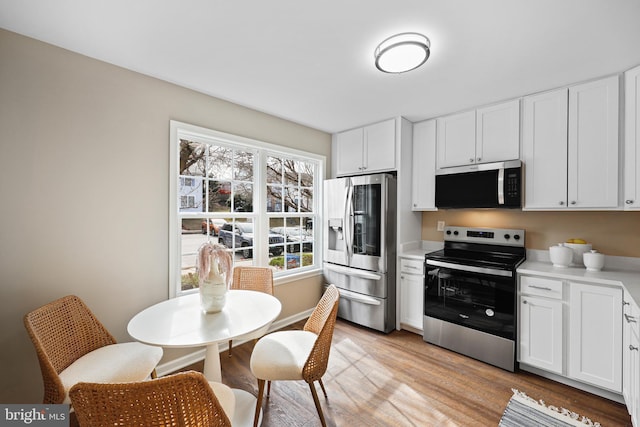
397	379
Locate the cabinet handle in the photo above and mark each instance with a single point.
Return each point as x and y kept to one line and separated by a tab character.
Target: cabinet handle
544	288
625	303
471	160
630	319
402	277
629	202
632	348
524	301
561	203
479	158
573	202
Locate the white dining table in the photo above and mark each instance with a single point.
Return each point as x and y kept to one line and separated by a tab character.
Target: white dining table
180	322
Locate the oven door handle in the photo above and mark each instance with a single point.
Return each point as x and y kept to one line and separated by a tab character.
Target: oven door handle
470	268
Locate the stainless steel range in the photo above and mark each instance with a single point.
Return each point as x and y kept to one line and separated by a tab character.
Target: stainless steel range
470	293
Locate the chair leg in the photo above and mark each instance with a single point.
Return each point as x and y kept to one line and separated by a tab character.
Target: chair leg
268	388
154	374
256	416
323	390
317	402
230	346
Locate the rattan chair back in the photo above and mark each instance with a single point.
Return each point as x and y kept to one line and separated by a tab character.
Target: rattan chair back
183	399
321	322
62	331
253	279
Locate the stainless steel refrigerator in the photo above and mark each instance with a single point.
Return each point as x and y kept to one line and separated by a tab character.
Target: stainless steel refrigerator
360	247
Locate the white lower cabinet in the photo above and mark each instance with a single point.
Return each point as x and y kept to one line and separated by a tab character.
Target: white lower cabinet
631	359
572	329
595	337
411	292
541	335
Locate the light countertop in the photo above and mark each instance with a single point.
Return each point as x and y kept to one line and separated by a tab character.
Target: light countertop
629	279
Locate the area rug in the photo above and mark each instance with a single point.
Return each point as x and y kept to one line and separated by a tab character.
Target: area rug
523	411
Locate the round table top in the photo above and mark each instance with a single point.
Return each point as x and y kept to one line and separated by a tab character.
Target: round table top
180	322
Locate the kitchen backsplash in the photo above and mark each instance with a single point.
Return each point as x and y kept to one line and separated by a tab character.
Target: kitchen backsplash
612	233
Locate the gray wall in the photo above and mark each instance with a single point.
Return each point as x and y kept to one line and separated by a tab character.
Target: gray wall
84	182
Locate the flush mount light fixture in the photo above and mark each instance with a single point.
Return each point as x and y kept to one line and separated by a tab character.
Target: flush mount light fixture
402	52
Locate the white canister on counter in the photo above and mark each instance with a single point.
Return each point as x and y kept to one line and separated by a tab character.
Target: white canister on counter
560	255
593	260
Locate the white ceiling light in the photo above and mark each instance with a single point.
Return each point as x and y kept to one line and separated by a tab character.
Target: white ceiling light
402	52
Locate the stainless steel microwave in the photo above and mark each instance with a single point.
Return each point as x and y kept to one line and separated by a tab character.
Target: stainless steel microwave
489	185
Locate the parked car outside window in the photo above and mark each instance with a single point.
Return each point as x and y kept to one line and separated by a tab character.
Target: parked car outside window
242	234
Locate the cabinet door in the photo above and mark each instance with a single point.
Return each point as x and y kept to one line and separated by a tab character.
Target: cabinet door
498	132
595	342
632	139
541	337
411	290
630	351
593	144
423	185
349	146
544	149
380	146
457	139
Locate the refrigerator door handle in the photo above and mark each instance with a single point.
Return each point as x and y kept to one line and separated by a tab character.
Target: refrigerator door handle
358	297
353	272
348	220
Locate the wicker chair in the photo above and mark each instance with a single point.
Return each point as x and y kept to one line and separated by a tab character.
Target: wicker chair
252	279
73	346
182	399
298	355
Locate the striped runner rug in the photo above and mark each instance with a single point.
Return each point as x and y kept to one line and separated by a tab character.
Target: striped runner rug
523	411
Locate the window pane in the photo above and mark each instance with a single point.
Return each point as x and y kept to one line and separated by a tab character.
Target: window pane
243	170
291	168
307	172
219	196
306	200
191	239
274	170
192	158
191	194
220	163
274	198
291	199
238	235
242	197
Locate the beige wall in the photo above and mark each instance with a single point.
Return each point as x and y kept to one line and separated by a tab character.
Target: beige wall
612	233
84	182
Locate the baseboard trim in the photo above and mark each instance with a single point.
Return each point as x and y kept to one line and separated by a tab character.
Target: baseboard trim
198	355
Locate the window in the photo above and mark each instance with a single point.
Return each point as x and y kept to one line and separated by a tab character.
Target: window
257	199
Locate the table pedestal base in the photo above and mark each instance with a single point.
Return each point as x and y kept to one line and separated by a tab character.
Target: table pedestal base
212	363
245	409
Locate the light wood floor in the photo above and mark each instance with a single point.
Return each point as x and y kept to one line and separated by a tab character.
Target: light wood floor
397	379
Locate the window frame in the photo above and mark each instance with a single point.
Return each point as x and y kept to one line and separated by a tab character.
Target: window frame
260	217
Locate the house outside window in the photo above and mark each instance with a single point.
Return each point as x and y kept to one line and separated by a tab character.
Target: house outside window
259	200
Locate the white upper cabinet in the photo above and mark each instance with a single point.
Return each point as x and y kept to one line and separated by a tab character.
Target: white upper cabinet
593	144
457	139
632	140
423	185
498	132
366	150
485	135
544	149
570	147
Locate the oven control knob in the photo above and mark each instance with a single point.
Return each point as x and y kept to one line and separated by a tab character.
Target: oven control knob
455	233
507	236
516	236
448	232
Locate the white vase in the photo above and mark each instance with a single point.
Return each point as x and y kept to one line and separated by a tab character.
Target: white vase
213	296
